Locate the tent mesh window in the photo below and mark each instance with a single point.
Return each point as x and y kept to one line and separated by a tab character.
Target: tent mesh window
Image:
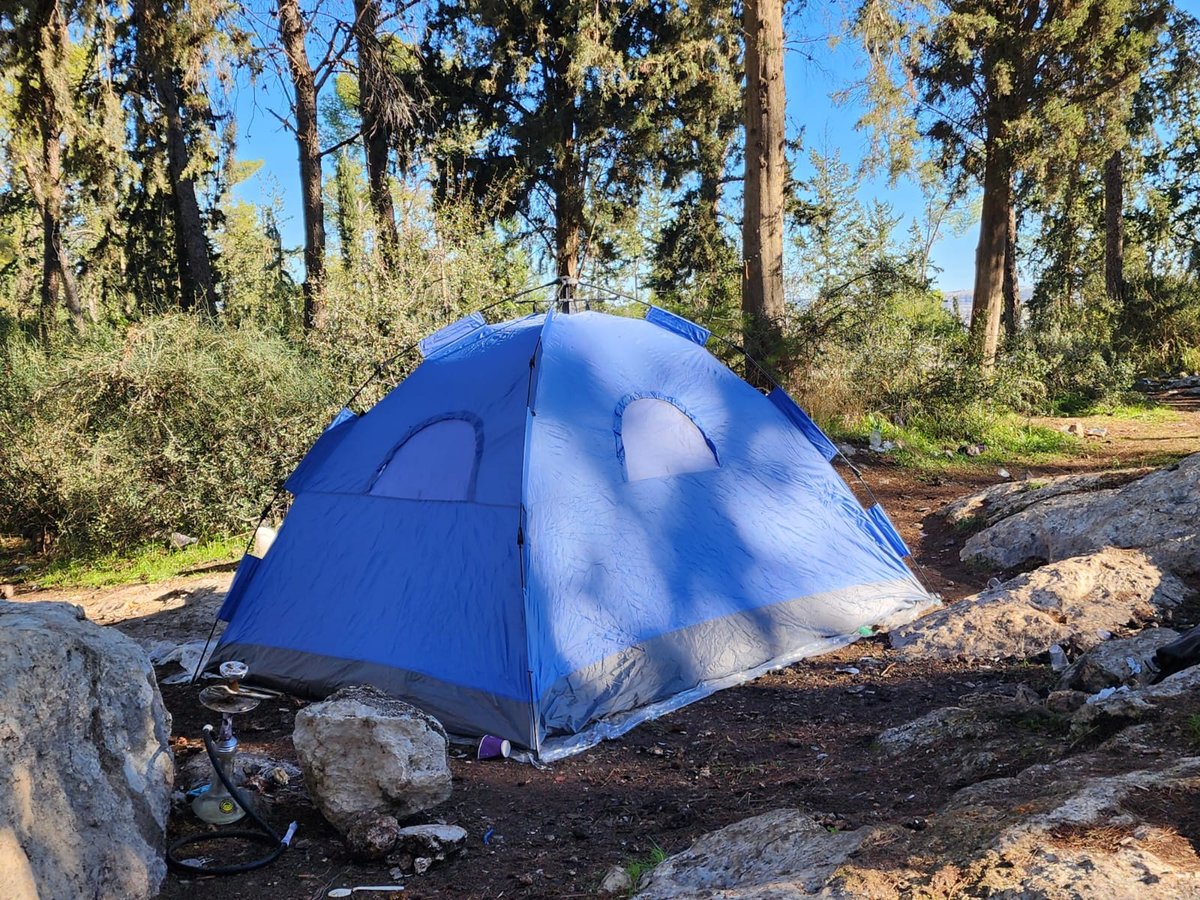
437	460
656	439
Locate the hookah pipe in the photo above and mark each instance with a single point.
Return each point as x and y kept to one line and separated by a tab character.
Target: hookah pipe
224	803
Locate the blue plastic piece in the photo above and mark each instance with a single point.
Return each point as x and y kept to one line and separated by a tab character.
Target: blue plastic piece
343	415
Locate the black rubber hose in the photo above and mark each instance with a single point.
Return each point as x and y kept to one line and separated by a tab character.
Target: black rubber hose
265	834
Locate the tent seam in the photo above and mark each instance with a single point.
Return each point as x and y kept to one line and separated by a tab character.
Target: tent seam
535	374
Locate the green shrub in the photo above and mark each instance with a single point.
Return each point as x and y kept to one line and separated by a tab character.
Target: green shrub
1075	367
1160	324
170	425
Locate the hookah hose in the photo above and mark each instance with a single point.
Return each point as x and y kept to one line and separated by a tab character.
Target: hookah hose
264	834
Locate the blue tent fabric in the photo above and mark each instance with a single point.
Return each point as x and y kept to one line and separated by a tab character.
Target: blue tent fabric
569	591
887	531
811	429
668	320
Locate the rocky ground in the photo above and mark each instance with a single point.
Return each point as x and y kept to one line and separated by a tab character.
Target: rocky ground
956	762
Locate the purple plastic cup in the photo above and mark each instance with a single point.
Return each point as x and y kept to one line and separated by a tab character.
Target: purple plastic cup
492	747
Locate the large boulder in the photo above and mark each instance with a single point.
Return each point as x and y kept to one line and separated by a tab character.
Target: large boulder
785	851
85	755
1077	601
1064	830
365	754
1058	831
1159	513
989	506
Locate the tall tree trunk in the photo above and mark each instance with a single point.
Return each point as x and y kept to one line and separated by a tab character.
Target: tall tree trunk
762	215
293	31
197	287
1114	228
192	252
1012	284
568	187
375	132
568	227
56	269
987	300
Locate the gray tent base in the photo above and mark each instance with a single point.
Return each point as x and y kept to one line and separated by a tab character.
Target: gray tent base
465	712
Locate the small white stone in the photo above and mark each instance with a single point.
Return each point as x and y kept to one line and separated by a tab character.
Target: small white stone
616	881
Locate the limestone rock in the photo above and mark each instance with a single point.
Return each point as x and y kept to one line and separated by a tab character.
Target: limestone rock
1116	662
85	758
615	881
1069	829
250	766
433	842
1064	830
973	717
984	734
1071	601
18	880
947	723
1177	692
1065	702
1159	513
363	752
371	837
785	850
999	501
419	847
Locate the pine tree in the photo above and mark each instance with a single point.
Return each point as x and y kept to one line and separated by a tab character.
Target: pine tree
386	108
560	112
175	43
37	52
1004	89
829	236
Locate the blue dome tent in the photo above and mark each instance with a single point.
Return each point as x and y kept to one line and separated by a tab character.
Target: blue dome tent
559	526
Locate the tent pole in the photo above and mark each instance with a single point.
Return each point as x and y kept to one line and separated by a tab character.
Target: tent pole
566	294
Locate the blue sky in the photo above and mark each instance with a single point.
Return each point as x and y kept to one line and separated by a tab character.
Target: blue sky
810	82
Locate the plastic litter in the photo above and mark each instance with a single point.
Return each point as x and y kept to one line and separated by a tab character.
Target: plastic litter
492	747
190	656
1058	658
1106	693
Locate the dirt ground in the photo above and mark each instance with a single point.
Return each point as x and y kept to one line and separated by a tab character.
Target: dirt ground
800	736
